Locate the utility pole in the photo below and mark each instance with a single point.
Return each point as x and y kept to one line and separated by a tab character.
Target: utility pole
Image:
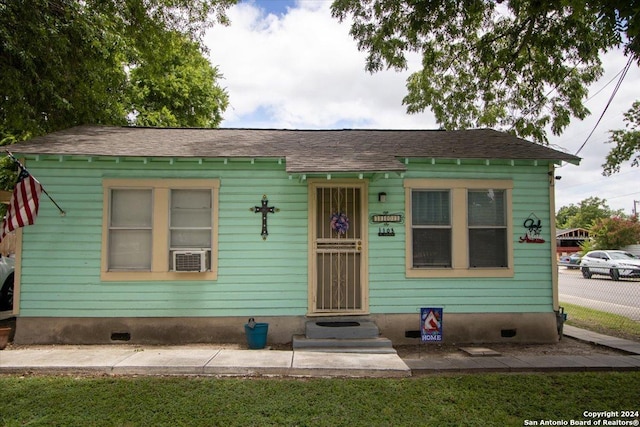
635	210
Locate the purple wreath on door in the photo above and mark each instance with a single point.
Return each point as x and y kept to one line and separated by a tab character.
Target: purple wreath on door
340	222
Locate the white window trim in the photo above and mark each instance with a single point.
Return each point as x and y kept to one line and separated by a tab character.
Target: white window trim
160	238
460	236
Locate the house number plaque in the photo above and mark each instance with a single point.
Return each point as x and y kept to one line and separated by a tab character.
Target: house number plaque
386	218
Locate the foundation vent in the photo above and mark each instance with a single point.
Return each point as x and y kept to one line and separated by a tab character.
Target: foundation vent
120	336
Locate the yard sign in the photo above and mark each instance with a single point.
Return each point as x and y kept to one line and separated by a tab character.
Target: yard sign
431	324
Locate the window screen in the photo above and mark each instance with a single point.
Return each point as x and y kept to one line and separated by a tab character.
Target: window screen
130	228
486	213
191	221
431	228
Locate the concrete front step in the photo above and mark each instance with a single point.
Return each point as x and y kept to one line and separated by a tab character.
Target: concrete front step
376	345
341	328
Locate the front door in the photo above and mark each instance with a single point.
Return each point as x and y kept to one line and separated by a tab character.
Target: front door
338	247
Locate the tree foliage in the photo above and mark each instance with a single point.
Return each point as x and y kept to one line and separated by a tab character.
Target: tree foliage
585	214
70	62
519	65
627	142
615	232
174	87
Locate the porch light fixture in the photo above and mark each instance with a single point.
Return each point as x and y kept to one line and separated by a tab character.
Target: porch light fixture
382	197
552	177
558	177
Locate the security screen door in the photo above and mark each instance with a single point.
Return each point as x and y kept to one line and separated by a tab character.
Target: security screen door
338	248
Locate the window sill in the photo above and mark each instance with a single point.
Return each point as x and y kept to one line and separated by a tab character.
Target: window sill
418	273
148	276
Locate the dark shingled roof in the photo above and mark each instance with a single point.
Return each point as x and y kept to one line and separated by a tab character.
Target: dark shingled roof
305	151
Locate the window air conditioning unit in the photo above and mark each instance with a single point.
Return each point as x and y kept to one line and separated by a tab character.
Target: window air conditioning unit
190	261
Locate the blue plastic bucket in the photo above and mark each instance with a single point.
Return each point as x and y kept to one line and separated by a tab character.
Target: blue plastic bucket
256	336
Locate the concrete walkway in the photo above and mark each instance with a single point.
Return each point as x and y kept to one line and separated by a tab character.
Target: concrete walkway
222	361
595	362
198	360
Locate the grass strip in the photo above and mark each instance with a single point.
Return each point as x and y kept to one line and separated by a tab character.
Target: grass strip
465	400
602	322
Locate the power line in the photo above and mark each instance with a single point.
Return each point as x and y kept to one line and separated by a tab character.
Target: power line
605	86
623	195
602	179
615	91
558	146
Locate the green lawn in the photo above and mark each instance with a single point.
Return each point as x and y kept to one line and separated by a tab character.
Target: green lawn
602	322
466	400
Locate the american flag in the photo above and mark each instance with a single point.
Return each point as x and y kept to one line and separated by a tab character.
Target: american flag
24	204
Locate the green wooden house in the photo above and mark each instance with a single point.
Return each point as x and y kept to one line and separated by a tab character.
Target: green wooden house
181	235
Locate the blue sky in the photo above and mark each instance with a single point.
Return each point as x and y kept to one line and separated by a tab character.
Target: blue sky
277	7
289	64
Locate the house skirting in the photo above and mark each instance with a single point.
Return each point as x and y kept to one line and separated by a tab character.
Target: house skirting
474	328
399	328
148	330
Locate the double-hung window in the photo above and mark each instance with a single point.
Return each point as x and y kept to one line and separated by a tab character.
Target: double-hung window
458	228
160	229
130	229
431	226
487	228
190	229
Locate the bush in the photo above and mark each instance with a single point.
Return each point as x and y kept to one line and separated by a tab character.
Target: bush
615	232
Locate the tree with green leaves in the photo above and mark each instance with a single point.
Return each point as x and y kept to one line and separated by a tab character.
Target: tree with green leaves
565	215
627	142
615	232
175	87
70	62
113	62
518	65
585	214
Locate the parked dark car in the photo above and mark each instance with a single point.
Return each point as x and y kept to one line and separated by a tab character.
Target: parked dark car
572	261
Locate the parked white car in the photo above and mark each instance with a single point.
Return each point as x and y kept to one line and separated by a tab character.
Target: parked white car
7	265
615	264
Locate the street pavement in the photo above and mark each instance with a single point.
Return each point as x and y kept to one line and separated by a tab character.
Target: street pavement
224	361
600	293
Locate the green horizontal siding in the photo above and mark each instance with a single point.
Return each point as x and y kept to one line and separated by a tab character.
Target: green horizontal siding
528	291
61	255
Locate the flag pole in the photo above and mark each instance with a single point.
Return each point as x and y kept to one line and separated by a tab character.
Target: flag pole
62	212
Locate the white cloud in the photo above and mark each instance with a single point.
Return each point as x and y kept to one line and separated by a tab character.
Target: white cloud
301	69
586	180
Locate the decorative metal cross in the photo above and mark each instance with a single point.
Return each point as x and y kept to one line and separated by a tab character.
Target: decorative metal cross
264	210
